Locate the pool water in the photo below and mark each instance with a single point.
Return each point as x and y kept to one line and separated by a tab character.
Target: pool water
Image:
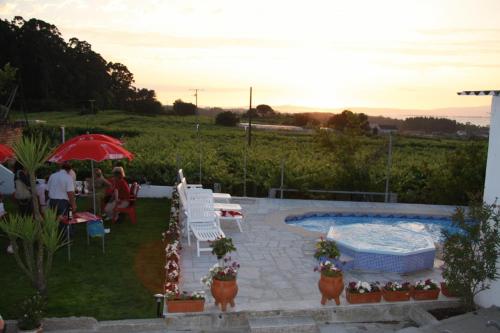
425	225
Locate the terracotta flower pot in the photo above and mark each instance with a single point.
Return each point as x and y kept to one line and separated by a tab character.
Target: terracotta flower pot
224	292
330	288
422	295
357	298
396	296
445	291
191	305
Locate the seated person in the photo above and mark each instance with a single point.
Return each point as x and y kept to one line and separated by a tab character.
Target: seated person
120	194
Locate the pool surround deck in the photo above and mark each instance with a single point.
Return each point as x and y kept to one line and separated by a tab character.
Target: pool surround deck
277	260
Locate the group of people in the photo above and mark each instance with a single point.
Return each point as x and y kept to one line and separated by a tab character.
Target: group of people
59	191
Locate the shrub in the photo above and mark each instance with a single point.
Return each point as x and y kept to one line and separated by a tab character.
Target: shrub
227	118
470	256
32	311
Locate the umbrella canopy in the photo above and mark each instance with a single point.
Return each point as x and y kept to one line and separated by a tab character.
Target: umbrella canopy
5	153
100	137
89	149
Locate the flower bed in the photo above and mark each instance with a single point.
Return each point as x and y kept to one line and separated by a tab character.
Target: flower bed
177	301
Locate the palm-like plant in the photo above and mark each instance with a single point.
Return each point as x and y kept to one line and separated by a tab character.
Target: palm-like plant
35	238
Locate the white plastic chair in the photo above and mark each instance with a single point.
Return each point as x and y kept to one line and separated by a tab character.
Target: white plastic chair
226	197
217	205
204	197
201	219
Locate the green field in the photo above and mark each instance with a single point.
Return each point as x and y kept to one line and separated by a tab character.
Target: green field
423	170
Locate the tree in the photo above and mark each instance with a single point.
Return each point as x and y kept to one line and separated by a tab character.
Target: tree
264	110
350	121
39	236
304	119
144	101
227	118
184	109
121	83
470	255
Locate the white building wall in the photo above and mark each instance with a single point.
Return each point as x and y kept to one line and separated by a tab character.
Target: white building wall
492	192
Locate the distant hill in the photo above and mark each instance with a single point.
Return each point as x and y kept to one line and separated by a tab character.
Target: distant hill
479	115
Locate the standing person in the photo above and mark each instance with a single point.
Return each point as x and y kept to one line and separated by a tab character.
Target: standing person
61	189
42	191
22	192
121	193
101	185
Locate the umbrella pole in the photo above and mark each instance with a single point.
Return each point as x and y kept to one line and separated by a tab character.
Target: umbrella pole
93	184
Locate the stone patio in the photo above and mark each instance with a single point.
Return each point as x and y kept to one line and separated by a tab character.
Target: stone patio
277	259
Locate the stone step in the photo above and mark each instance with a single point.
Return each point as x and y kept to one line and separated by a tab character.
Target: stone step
283	324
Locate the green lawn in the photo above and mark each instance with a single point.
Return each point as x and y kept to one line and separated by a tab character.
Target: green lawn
104	286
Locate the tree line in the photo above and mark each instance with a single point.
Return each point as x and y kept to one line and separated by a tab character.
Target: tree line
53	74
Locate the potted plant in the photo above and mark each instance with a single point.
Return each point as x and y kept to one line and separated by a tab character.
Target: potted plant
394	291
331	282
425	290
222	246
184	301
363	292
32	310
326	250
221	279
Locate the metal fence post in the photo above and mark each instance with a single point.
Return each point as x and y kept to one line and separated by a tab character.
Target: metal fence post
282	177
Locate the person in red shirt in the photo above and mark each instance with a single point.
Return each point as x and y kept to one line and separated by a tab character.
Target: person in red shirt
120	193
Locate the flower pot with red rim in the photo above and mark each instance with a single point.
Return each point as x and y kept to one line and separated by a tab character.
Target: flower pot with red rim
331	287
188	305
224	292
396	295
423	295
359	298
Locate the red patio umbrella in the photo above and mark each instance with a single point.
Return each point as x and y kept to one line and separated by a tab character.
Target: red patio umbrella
5	153
90	149
94	150
101	137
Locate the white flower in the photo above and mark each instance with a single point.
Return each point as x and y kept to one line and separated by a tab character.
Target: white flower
366	286
361	291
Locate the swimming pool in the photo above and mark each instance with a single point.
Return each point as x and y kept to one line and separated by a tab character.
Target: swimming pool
399	244
321	222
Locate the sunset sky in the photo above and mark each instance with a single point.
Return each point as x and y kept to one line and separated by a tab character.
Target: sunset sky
397	54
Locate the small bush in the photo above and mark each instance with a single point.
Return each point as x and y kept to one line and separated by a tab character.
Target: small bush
227	118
